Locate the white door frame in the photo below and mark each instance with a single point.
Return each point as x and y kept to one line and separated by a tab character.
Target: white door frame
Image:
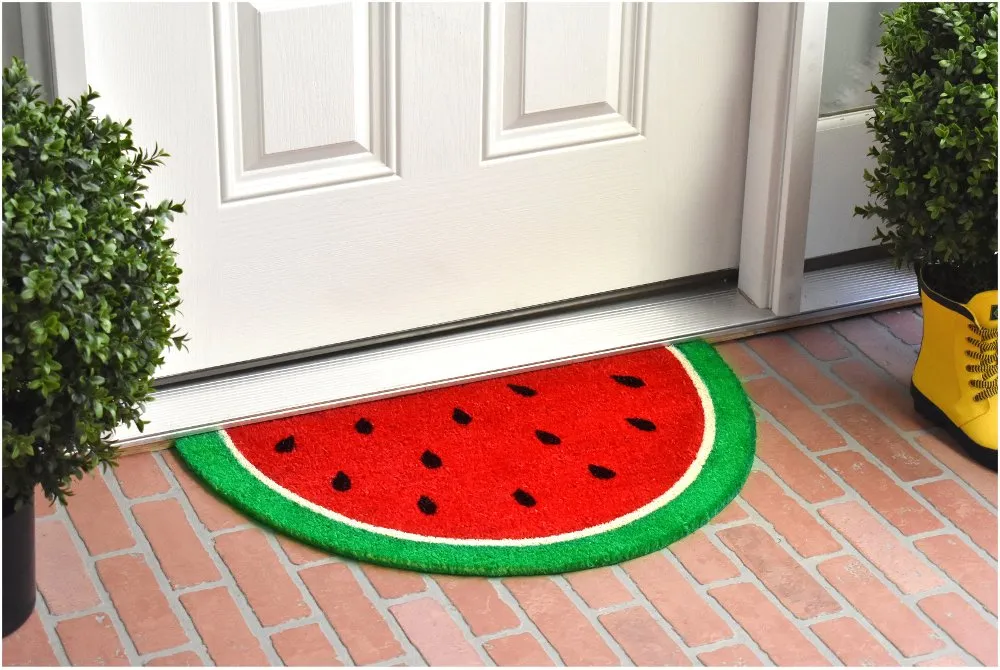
788	74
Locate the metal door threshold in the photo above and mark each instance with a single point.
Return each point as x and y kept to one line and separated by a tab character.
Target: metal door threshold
714	314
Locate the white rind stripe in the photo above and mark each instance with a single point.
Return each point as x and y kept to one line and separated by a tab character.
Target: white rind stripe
708	438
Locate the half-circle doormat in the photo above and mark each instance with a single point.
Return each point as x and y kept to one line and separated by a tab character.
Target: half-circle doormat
554	470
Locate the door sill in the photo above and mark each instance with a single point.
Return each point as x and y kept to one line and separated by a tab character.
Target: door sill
715	313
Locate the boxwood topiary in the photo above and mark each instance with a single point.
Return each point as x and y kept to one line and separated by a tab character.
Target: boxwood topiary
934	186
89	286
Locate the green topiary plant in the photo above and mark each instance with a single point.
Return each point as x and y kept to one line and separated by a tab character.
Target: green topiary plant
89	286
935	126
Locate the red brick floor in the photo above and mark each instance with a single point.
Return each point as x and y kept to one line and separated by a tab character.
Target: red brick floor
861	538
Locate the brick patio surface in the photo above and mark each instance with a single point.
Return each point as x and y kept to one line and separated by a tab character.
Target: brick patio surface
861	538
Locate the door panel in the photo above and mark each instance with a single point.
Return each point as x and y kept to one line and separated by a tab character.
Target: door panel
355	170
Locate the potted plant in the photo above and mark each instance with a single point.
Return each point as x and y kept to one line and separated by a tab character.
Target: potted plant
934	189
89	290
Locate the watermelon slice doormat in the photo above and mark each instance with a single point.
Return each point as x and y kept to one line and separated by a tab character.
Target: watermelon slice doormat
547	471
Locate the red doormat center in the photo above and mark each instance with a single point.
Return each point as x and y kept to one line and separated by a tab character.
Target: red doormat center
550	470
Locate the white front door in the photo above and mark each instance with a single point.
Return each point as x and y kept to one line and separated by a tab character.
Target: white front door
354	170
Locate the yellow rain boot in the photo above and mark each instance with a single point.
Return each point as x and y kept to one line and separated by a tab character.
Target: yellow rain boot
955	378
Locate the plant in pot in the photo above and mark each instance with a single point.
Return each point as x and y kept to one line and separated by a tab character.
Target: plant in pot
89	292
934	190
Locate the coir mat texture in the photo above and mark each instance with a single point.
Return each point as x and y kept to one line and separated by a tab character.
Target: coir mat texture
554	470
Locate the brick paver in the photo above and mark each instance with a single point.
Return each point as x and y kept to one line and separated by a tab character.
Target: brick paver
97	517
852	644
272	594
878	544
140	476
791	520
60	573
433	632
862	538
305	646
91	640
821	342
183	659
736	656
703	560
479	603
143	607
574	636
877	603
178	548
778	637
521	650
642	638
966	626
978	522
392	583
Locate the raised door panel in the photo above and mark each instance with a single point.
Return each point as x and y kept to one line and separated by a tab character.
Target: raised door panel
562	74
307	95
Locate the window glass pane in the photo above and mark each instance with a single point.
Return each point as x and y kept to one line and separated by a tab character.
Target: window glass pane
850	61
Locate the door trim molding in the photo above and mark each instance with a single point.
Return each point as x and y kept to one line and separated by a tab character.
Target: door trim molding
66	48
715	313
784	108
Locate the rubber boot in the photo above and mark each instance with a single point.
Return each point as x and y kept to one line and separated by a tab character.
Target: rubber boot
955	378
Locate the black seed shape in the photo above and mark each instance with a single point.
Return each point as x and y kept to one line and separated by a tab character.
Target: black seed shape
524	498
525	391
341	482
364	426
547	438
461	417
629	381
286	445
426	505
430	459
642	424
601	472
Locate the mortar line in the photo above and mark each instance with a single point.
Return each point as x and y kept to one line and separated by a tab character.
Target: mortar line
891	332
435	591
804	625
149	557
739	634
909	436
49	627
750	578
853	495
946	473
507	597
860	353
383	609
602	632
326	628
227	580
791	388
911	600
90	567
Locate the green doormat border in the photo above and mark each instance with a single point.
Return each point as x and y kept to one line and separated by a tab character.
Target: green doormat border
722	476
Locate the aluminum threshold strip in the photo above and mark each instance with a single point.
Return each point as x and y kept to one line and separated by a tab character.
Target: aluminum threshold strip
496	350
